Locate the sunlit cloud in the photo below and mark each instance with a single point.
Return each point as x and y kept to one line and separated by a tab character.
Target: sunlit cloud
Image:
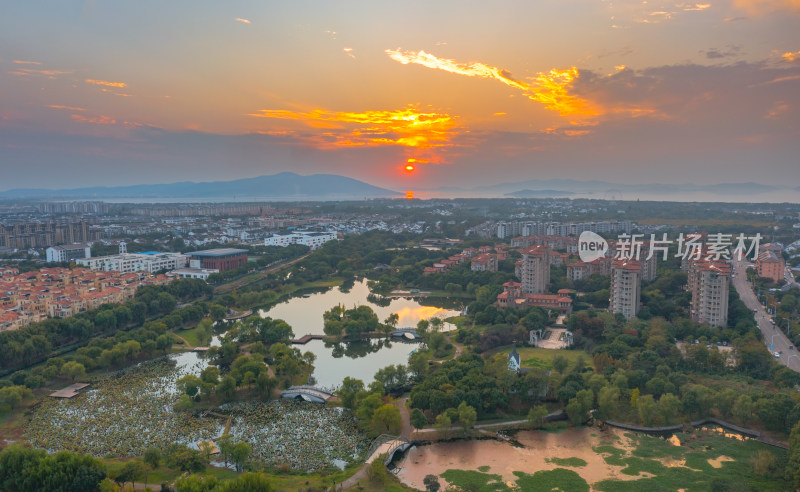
791	56
404	127
693	6
777	110
349	52
24	72
95	120
760	7
549	88
106	83
26	62
499	113
242	20
68	108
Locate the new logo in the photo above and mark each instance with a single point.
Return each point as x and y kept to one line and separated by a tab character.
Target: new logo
591	246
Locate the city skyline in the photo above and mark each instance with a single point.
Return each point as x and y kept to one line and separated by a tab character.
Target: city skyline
101	93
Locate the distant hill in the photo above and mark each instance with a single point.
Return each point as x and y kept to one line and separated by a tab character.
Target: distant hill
604	187
275	186
539	193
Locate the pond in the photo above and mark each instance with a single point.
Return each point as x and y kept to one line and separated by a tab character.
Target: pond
355	359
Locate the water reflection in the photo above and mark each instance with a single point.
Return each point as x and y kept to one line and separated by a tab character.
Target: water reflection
359	359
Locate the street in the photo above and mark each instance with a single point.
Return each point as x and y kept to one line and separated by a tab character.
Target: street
772	335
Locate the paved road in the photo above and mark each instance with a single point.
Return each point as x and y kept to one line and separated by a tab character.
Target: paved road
772	335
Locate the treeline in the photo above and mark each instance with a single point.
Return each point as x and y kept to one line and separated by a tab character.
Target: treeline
24	468
125	346
32	344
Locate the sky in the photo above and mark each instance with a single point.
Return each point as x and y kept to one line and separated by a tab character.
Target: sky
467	93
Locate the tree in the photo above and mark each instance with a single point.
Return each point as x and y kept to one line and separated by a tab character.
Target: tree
743	409
184	403
73	370
348	390
226	388
431	483
239	454
466	416
386	419
131	471
575	412
442	424
560	363
647	409
152	458
536	416
418	419
669	406
608	401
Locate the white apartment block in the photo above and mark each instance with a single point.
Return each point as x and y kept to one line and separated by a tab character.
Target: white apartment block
626	286
136	262
68	252
311	239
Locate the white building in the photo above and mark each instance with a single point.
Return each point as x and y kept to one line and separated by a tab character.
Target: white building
136	262
311	239
68	252
201	273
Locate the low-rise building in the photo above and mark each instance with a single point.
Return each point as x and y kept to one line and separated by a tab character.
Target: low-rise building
222	259
151	262
311	239
68	252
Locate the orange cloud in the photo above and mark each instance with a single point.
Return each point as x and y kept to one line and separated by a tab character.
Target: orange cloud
242	20
550	89
106	83
791	56
96	120
760	7
22	72
404	127
68	108
26	62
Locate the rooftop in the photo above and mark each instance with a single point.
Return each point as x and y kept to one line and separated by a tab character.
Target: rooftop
218	252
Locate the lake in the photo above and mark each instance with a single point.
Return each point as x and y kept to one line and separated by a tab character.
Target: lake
355	359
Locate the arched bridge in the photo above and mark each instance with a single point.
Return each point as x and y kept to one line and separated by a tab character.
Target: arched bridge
407	333
307	393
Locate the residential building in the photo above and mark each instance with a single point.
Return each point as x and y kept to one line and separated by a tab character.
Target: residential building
311	239
151	261
770	263
625	289
485	262
512	296
68	252
709	282
534	269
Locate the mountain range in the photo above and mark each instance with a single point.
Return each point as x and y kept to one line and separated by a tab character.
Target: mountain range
290	186
276	186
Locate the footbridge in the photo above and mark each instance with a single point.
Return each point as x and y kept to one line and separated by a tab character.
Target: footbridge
307	393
